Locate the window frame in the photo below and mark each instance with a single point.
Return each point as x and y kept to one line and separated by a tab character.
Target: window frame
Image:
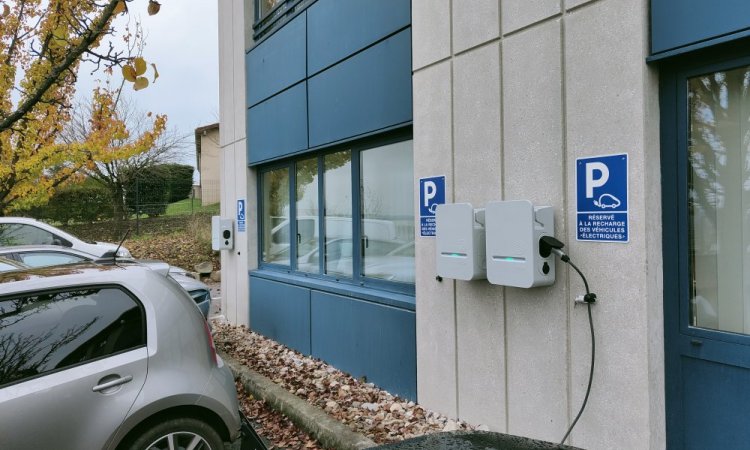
138	303
357	279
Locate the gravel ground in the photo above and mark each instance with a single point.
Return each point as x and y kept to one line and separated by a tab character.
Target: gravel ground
362	406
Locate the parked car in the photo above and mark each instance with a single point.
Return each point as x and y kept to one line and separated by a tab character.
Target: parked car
53	255
25	231
93	357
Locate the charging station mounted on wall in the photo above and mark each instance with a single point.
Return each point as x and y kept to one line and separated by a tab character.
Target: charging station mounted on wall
499	243
222	233
460	242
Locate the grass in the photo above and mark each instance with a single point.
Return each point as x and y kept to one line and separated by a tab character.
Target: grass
189	206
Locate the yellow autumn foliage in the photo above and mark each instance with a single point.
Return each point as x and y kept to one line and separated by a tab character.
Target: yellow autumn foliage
42	43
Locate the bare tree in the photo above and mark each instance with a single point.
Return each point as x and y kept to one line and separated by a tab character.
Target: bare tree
116	175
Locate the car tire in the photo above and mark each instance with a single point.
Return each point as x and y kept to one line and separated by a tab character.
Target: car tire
182	432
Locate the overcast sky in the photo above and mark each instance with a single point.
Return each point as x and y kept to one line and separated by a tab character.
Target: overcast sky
182	40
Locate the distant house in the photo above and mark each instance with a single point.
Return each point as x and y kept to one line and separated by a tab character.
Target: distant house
207	156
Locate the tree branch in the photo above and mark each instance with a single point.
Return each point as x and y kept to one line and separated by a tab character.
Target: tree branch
97	29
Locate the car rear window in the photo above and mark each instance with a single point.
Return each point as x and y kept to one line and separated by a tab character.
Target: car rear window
48	331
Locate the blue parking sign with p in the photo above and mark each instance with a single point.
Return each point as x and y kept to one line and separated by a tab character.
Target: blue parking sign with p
241	213
431	194
602	198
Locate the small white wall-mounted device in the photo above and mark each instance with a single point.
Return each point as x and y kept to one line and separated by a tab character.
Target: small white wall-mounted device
222	233
460	243
513	232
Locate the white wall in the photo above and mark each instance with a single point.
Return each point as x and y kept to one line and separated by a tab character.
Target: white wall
237	181
507	94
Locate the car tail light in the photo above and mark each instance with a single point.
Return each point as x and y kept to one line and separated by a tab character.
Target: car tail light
211	346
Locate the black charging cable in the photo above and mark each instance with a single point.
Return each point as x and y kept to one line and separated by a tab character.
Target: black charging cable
548	245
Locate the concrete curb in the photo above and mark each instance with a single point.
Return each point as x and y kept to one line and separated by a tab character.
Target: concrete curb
327	430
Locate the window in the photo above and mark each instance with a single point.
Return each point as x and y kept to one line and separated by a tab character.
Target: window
45	332
306	194
20	234
263	7
276	226
719	200
374	247
41	259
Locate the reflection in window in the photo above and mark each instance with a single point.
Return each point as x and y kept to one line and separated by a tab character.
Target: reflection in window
42	259
276	229
45	332
307	215
719	200
21	234
265	6
338	213
387	212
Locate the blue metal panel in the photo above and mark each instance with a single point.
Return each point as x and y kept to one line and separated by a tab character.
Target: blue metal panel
278	126
281	312
276	63
367	92
338	28
678	23
366	339
724	387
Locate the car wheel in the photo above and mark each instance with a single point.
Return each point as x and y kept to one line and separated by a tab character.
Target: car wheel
183	433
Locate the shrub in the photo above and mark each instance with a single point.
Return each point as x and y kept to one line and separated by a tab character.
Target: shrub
85	202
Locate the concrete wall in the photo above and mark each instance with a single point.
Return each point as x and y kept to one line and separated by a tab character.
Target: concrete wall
210	166
239	182
507	94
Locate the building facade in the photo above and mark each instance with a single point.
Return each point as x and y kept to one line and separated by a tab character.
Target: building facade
207	151
332	111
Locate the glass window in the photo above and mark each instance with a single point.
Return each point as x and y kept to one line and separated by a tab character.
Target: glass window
20	234
307	215
719	200
387	212
338	213
42	259
41	333
381	215
265	6
276	225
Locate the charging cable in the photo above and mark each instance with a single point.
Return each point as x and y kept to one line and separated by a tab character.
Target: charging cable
548	245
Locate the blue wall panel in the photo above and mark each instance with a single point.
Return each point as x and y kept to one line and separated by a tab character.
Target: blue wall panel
278	126
368	92
281	312
338	28
277	62
677	23
364	338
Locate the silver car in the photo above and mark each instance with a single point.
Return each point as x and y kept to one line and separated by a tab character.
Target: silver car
109	356
26	231
53	255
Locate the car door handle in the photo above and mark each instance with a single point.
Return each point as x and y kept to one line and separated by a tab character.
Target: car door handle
111	384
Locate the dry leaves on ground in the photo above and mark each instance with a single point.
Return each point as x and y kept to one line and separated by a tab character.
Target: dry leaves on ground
362	406
178	249
273	426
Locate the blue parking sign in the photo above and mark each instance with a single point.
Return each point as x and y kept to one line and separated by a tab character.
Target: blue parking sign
431	194
241	213
602	198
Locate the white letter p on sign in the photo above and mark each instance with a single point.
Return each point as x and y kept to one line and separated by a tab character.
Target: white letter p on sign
430	190
592	182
